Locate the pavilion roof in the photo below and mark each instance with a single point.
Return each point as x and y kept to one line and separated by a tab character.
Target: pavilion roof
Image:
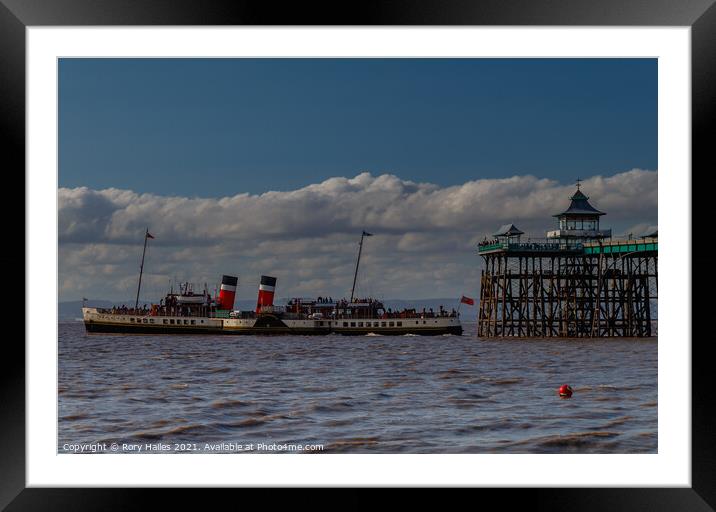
580	206
508	230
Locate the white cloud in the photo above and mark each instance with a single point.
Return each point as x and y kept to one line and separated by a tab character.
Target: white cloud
424	243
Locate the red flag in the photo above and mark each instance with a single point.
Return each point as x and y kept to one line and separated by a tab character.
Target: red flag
149	235
467	300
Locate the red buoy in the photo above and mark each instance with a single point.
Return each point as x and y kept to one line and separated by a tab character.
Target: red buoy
565	391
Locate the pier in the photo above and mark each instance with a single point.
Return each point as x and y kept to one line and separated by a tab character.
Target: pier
577	282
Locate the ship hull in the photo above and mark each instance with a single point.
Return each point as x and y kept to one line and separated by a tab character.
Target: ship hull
269	325
116	328
434	331
97	328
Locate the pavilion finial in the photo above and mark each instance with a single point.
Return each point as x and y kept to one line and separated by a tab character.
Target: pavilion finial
579	182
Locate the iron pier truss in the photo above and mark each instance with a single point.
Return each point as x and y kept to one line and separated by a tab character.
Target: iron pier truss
600	291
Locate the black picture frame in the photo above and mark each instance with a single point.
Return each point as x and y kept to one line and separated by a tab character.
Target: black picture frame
700	15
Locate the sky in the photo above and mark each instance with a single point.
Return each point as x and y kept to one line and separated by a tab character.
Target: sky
274	166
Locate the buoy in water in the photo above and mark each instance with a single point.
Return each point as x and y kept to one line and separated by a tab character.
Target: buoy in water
565	391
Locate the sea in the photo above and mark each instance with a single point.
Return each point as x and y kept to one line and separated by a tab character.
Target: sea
347	394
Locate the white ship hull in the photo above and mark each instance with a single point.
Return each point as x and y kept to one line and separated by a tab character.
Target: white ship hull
104	322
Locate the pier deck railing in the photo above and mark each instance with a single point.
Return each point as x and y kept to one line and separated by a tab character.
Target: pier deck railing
622	246
495	246
613	246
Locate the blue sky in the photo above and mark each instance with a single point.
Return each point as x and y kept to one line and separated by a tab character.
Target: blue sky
411	150
217	127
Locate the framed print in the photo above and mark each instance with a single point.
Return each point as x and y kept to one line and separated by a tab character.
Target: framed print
416	246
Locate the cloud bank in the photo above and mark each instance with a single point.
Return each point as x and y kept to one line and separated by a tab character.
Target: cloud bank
424	243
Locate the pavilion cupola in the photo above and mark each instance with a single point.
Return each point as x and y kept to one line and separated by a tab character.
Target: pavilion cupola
579	223
508	233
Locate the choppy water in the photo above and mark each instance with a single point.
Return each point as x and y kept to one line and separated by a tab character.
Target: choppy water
404	394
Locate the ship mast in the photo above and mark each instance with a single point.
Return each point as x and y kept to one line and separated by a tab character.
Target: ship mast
141	267
360	249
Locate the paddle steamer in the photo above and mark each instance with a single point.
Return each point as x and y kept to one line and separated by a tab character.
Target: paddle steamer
187	312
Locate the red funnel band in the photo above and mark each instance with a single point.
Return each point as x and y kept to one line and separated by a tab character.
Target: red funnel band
266	291
265	299
227	292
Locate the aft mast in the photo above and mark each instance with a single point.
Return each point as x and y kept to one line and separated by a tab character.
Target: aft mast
141	267
360	249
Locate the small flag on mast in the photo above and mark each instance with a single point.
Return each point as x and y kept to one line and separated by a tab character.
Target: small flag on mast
365	233
149	235
467	300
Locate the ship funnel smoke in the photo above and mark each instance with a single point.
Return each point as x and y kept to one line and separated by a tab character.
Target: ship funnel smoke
266	291
227	292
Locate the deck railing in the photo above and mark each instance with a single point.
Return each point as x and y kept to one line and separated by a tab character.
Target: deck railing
614	245
622	246
490	246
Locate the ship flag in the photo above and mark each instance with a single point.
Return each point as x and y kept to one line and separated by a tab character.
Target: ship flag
467	300
365	233
149	235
